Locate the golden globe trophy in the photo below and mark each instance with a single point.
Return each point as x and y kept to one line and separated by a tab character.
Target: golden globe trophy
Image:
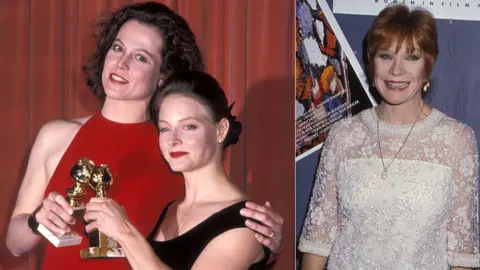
100	245
80	173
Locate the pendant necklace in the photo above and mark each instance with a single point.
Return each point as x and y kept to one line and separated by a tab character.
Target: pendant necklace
384	174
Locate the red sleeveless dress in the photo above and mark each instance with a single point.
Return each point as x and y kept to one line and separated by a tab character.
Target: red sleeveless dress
143	183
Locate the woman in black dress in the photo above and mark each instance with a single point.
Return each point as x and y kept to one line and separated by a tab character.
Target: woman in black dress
203	230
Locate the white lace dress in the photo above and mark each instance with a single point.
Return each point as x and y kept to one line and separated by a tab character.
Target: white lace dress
424	215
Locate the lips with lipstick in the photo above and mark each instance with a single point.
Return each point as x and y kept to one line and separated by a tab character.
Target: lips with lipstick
178	154
396	86
117	79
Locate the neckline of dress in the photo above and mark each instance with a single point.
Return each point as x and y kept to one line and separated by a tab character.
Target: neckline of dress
196	227
370	118
103	123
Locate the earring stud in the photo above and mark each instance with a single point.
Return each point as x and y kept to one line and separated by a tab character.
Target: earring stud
425	86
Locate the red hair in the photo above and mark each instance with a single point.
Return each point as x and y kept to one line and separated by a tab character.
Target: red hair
396	25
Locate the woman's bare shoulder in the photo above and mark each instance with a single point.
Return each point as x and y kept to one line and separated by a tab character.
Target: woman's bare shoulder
63	125
58	130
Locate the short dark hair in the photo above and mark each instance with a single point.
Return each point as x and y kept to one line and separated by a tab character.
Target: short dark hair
397	23
204	88
179	50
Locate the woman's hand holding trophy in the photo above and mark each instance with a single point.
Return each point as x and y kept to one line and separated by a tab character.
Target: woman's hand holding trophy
56	214
54	217
100	245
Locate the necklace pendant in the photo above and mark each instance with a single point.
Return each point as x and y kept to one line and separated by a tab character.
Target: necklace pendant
384	175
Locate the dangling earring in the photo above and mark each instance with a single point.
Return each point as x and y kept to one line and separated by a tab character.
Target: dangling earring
425	86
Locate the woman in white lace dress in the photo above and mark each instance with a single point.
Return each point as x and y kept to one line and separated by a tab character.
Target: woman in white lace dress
396	185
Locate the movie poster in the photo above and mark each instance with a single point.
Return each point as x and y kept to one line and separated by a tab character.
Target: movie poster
330	83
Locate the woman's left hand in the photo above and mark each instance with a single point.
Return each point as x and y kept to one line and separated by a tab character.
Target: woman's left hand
268	225
108	217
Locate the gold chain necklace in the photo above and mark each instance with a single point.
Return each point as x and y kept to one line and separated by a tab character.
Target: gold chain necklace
384	174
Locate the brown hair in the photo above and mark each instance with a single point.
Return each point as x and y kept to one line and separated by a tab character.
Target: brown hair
396	25
179	50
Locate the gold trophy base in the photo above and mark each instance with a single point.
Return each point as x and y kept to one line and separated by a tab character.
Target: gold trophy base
101	253
69	239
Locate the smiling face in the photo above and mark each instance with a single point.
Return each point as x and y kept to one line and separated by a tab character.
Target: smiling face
401	48
132	65
399	76
189	139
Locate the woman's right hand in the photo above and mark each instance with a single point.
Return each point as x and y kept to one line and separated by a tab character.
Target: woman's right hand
56	214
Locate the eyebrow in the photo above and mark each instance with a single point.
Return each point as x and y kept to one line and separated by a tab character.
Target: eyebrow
390	51
142	50
182	120
119	41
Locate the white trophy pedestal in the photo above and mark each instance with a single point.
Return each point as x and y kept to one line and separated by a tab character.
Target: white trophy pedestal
69	239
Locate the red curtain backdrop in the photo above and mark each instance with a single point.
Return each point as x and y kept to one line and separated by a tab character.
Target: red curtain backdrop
247	45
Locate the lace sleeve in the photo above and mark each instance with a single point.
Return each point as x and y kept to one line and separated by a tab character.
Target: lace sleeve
321	221
462	237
